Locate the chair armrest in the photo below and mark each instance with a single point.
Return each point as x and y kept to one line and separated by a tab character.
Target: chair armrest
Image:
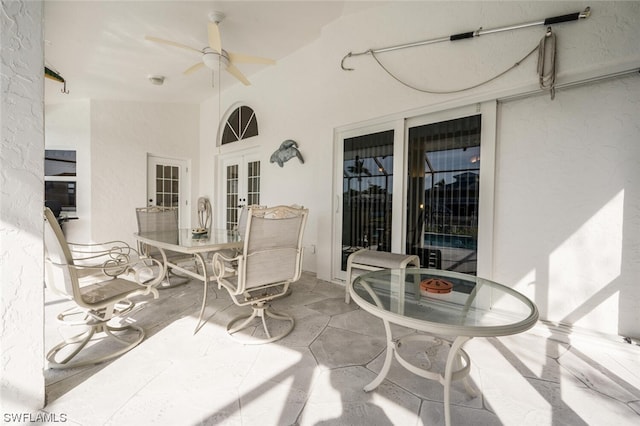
138	270
223	266
101	252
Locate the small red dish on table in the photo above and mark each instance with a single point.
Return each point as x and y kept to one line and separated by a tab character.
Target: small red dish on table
435	286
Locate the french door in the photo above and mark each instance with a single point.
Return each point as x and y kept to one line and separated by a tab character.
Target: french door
240	179
421	185
168	185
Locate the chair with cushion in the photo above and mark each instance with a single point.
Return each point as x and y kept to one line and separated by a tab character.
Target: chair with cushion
159	218
270	261
117	275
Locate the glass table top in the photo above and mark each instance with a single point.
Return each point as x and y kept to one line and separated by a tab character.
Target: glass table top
186	241
473	306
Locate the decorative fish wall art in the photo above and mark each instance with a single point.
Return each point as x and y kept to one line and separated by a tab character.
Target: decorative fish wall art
287	150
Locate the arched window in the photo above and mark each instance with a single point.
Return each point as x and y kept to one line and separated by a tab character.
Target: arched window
240	124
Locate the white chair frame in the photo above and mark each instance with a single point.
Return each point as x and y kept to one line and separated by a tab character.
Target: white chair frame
96	304
368	260
167	221
243	291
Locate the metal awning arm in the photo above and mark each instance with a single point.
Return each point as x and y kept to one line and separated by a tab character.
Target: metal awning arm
470	34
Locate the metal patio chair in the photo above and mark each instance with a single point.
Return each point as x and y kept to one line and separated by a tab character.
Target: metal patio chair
99	305
270	261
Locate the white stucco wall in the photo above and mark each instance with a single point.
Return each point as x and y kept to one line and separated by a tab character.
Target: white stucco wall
568	204
122	134
112	140
21	201
306	96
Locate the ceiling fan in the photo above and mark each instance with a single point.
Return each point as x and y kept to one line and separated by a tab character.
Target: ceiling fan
214	52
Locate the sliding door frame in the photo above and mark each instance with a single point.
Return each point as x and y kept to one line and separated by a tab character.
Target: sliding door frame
397	125
400	125
487	111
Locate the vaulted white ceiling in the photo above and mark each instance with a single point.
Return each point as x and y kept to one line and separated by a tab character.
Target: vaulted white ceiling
99	47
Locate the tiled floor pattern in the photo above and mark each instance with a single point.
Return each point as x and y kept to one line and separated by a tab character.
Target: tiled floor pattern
315	375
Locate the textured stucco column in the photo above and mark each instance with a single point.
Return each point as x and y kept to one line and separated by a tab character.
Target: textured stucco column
21	202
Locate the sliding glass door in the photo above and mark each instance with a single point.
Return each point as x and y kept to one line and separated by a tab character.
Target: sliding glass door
422	185
443	193
367	193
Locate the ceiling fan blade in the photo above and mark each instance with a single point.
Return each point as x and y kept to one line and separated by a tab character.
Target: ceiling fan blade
193	68
172	43
237	74
247	59
215	42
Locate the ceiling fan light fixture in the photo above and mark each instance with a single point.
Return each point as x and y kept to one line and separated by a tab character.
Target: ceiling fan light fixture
210	58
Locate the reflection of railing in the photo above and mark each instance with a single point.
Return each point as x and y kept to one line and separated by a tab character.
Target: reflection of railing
429	257
450	240
366	221
447	251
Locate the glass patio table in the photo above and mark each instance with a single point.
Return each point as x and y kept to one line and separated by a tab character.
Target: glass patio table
184	241
450	305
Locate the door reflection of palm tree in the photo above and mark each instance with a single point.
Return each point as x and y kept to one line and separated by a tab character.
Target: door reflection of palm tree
359	170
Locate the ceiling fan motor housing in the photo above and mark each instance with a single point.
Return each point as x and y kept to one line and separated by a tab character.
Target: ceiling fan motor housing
216	17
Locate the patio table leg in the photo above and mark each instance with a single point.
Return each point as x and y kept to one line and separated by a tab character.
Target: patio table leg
165	268
205	274
391	347
453	360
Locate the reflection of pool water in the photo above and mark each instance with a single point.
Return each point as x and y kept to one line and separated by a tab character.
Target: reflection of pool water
450	240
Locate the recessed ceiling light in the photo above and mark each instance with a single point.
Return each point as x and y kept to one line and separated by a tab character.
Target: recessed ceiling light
158	80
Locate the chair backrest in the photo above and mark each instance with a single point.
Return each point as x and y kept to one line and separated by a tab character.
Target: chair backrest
273	246
59	277
55	206
157	218
241	227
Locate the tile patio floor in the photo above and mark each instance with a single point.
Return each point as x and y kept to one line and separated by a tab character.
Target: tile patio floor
315	375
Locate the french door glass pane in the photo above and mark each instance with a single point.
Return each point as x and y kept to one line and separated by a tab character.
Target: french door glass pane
443	193
167	185
232	196
367	191
242	182
253	183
